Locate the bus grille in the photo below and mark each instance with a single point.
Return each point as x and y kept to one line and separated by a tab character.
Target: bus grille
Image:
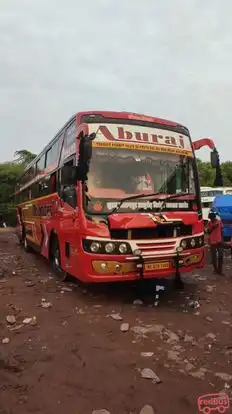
158	247
161	231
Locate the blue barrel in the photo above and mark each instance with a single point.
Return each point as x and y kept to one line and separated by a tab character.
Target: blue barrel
222	204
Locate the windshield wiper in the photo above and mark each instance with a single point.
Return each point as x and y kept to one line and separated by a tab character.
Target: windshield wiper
170	197
133	198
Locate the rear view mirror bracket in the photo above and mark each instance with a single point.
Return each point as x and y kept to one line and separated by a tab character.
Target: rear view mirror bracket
85	154
214	158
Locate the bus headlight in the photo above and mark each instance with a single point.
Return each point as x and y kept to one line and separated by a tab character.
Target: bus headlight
183	244
193	242
109	247
201	241
106	247
123	248
95	247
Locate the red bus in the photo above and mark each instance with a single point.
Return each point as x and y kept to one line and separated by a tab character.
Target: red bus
115	196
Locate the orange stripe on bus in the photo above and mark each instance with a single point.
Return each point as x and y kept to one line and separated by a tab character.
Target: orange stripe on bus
37	199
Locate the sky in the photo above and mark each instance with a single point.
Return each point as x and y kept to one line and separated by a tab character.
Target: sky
170	59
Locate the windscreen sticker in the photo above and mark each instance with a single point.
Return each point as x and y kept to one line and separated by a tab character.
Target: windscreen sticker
146	205
154	148
98	207
144	138
106	205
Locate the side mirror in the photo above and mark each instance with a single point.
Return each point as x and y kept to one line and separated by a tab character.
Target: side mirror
68	175
214	158
86	147
85	154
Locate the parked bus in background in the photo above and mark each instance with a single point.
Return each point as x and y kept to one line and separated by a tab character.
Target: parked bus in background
115	196
208	195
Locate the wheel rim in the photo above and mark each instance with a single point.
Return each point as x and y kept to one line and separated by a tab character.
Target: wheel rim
57	265
56	260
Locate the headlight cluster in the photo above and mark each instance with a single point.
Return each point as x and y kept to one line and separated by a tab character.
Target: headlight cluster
105	247
192	243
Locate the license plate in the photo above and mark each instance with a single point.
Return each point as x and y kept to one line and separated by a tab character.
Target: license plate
157	266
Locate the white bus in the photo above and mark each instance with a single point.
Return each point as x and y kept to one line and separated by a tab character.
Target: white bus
207	196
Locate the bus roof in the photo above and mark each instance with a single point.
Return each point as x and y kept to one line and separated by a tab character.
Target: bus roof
107	114
132	115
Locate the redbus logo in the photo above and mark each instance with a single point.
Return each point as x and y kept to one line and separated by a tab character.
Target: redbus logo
213	402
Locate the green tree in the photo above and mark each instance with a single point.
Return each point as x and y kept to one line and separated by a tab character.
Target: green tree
206	173
24	157
9	175
227	173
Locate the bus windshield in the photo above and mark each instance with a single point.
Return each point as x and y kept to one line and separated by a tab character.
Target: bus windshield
118	173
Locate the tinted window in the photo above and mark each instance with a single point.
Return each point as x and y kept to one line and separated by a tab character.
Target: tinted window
35	191
28	176
53	154
47	186
40	164
25	195
70	135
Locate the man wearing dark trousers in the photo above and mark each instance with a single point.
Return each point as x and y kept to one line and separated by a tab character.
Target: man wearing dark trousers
214	230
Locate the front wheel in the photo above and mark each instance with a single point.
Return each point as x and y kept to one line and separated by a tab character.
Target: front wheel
56	261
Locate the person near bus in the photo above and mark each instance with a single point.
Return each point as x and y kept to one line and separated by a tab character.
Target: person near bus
214	231
2	222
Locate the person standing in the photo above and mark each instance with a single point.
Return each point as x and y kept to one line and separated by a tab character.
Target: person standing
2	222
214	231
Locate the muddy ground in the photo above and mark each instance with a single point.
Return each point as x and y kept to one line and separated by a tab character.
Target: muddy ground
62	349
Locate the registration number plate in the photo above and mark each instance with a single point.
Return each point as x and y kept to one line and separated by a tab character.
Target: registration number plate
157	266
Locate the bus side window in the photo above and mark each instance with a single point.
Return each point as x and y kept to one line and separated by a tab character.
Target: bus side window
69	193
34	190
44	187
25	196
48	185
53	183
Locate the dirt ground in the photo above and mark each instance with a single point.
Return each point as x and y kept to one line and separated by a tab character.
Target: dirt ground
62	349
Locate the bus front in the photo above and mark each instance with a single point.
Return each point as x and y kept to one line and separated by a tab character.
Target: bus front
141	201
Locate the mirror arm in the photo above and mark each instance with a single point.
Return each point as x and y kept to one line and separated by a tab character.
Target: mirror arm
85	154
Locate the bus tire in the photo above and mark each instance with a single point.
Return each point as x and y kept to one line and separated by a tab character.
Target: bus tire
56	261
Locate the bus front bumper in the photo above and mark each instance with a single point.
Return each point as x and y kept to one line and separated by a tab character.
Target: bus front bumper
111	269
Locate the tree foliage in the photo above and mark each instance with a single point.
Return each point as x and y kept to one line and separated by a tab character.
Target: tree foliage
9	175
24	157
207	173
